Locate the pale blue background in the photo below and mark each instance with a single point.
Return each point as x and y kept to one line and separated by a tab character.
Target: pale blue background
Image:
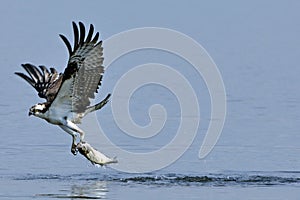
255	45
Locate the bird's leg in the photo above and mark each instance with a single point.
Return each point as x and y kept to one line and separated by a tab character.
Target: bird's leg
74	149
75	128
74	136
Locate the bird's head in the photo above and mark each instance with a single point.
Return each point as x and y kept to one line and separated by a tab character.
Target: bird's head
37	109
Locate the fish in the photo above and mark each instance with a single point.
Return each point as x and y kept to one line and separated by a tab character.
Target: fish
93	155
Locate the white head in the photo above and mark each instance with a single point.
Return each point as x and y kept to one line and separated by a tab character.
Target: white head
38	109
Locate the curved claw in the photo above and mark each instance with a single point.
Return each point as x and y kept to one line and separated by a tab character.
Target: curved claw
74	150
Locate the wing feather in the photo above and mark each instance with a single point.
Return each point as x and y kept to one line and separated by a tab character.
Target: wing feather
67	43
83	74
26	78
45	83
82	33
46	74
32	73
90	34
76	35
96	38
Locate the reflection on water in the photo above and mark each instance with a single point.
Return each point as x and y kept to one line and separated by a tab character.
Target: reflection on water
92	190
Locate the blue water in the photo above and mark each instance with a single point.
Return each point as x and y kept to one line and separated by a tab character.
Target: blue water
250	185
256	48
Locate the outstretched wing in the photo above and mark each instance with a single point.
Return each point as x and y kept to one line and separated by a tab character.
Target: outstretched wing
83	74
46	83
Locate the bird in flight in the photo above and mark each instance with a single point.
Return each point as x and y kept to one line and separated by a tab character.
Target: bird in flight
68	94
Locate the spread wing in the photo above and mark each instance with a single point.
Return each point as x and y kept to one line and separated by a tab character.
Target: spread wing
83	74
46	83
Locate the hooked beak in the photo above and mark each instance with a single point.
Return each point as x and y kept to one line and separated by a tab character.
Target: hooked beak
30	113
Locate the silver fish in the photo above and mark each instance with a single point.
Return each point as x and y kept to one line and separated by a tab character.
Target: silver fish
96	157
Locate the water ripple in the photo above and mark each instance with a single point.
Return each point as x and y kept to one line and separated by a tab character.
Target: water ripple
211	180
241	179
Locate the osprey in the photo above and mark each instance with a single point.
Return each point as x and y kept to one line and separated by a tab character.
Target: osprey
68	94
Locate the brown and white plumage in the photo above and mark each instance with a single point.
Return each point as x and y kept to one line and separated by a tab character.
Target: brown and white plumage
84	71
46	83
68	94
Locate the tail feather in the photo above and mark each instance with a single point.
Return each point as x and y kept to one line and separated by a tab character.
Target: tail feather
102	103
98	105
